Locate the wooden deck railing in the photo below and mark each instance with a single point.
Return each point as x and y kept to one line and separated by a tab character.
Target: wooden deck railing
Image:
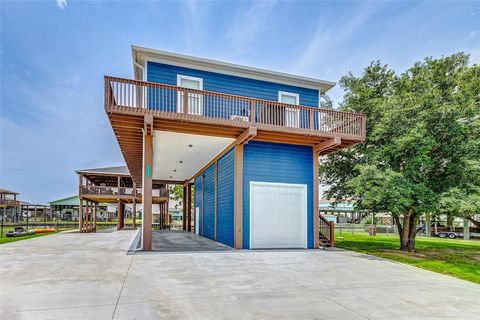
327	230
122	191
231	108
9	202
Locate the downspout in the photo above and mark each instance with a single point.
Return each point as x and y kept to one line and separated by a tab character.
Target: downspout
138	65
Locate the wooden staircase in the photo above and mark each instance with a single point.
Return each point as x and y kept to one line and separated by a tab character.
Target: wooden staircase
326	232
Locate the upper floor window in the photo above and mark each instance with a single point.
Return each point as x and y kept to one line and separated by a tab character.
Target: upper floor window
194	100
291	115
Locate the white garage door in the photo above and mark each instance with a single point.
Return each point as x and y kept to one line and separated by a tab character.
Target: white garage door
278	215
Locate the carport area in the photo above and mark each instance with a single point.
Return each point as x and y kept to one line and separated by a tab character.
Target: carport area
184	241
95	276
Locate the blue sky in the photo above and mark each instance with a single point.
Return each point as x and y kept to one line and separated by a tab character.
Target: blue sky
54	55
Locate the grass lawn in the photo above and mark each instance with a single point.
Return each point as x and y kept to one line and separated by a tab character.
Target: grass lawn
457	258
4	239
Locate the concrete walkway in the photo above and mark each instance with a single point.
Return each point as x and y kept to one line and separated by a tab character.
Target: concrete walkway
91	276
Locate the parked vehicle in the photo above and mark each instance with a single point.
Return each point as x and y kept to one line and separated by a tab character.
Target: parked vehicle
19	232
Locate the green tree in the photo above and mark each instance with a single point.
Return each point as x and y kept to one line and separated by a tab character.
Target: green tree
463	200
423	131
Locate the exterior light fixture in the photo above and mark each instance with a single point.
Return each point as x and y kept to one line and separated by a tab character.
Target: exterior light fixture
181	161
190	145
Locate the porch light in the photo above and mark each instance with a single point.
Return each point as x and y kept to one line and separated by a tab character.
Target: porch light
190	145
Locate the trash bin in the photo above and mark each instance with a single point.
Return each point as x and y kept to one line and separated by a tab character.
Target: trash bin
372	231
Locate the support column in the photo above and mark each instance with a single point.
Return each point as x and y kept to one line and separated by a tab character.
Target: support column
80	216
237	197
316	218
134	214
147	183
15	208
189	207
95	218
120	213
184	216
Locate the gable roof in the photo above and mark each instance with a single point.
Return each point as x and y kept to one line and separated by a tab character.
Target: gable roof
5	191
119	170
141	54
70	201
74	201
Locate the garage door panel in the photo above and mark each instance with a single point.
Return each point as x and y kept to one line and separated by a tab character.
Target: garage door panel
278	215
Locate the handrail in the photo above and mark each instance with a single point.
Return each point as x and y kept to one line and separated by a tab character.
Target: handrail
122	191
327	229
195	103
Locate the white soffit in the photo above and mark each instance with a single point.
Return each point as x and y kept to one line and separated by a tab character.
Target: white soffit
170	149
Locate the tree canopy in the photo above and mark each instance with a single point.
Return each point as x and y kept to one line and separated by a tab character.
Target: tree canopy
423	140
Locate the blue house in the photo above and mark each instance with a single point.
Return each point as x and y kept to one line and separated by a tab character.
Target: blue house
248	140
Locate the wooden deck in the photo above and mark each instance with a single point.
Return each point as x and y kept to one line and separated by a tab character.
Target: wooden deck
128	102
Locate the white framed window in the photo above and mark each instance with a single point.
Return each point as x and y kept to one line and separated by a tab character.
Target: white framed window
292	115
195	100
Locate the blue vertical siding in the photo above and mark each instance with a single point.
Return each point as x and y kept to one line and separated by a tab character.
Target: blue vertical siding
167	100
198	202
209	204
281	163
225	227
167	74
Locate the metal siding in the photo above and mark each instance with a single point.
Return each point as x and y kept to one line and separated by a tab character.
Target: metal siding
225	224
209	205
281	163
167	74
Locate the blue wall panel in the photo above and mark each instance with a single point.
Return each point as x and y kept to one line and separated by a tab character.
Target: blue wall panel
167	74
281	163
209	202
225	227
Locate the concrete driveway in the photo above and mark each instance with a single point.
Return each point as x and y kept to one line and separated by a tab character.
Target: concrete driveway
91	276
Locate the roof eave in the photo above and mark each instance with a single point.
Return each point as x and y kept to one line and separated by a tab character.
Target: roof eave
227	68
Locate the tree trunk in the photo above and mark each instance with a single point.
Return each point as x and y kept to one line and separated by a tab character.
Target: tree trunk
450	223
407	231
475	222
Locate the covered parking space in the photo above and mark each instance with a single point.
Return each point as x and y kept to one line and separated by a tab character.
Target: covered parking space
184	241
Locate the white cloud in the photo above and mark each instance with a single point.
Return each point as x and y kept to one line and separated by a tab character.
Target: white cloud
62	4
473	33
248	25
328	36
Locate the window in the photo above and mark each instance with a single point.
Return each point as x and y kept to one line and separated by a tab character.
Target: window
292	115
195	100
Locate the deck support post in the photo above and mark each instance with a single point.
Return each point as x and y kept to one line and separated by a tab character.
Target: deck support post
238	197
189	207
184	209
316	218
80	216
120	215
95	217
147	183
134	212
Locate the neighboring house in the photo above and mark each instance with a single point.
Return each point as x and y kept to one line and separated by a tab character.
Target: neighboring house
341	212
114	185
9	206
67	209
248	139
